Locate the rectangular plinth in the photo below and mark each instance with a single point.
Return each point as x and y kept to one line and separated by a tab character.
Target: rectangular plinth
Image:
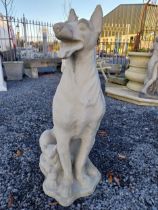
14	70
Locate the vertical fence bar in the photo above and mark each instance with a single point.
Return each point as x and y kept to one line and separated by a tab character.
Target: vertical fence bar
25	30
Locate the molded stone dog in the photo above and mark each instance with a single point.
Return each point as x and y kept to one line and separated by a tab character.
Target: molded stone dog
78	107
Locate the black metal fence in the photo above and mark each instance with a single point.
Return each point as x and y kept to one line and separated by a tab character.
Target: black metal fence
122	48
119	48
26	38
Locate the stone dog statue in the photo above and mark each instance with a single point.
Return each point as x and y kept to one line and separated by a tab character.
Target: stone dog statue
150	89
78	107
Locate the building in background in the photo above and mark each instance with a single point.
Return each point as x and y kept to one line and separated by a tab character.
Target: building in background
122	25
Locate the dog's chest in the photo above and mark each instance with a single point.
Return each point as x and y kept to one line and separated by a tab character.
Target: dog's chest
73	112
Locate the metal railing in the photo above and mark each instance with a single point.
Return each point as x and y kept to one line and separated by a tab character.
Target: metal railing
26	38
122	48
117	52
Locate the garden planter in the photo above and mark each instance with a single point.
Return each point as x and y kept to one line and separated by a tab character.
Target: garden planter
14	70
137	70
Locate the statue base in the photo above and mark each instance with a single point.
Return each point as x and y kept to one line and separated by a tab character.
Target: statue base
147	96
54	185
77	190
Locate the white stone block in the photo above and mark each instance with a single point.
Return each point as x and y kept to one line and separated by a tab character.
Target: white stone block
3	86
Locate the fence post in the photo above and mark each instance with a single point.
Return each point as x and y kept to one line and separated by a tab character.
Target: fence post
25	32
45	44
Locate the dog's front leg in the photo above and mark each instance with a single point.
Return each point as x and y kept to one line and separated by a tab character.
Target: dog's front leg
87	141
63	147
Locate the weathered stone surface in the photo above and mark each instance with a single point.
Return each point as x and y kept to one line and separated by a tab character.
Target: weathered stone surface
150	89
3	86
14	70
31	67
137	71
118	80
78	107
31	72
123	93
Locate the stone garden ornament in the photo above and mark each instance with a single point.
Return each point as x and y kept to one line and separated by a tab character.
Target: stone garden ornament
150	89
78	107
3	86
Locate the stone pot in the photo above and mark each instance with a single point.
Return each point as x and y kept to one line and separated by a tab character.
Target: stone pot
137	70
14	70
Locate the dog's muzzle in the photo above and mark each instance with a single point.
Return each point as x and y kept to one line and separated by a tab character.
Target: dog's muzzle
69	42
63	31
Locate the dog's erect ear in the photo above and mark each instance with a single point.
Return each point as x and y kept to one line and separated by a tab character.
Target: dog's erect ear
97	19
72	15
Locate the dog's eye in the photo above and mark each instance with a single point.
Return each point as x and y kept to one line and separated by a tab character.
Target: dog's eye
82	27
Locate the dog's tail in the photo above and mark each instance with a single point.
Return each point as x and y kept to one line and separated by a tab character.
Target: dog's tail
49	160
47	138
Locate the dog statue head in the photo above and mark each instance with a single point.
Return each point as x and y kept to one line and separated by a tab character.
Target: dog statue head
76	35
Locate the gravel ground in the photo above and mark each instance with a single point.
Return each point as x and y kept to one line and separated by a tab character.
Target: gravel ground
126	151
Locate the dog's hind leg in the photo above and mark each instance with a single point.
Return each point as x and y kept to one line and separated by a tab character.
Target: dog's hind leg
63	147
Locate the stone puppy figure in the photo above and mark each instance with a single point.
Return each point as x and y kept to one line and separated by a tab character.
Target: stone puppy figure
78	107
150	89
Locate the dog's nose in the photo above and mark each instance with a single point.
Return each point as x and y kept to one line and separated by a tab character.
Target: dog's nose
58	27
